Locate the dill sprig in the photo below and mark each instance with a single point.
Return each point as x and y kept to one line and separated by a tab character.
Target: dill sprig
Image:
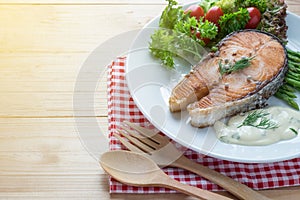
293	130
227	68
259	120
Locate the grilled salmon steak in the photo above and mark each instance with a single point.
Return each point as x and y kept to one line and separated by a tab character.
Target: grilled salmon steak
209	94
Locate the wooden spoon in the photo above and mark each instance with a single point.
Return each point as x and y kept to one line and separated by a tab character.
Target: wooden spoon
137	170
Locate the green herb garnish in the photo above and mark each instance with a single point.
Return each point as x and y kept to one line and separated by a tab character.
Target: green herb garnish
259	120
296	132
227	67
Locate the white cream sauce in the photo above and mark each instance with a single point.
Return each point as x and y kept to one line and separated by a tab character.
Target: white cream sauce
287	120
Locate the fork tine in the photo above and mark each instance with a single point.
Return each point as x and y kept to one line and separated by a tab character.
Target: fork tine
137	142
133	132
148	141
127	144
147	132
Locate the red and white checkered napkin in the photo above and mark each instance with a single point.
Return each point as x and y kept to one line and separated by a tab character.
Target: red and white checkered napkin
258	176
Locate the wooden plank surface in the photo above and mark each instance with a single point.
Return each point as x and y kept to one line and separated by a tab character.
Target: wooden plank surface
43	47
81	28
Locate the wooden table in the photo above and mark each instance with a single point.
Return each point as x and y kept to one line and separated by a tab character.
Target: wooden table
43	45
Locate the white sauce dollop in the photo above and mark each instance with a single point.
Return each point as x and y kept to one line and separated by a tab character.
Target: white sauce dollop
287	120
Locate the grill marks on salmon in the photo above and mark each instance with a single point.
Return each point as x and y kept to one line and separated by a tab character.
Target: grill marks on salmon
209	96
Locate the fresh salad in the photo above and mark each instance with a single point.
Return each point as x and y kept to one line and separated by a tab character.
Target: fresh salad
188	33
185	32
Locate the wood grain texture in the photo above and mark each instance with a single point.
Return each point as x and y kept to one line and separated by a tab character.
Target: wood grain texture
43	47
29	28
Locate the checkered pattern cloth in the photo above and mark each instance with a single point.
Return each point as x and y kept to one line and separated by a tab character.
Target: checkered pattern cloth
258	176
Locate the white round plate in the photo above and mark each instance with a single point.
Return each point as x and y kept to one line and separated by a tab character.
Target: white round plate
150	85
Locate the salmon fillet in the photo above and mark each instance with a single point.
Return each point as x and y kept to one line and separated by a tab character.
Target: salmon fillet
209	96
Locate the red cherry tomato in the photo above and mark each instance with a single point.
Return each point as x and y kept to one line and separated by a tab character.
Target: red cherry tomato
254	18
214	14
195	11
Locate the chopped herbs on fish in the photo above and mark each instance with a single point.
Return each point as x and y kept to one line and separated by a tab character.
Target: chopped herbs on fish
227	68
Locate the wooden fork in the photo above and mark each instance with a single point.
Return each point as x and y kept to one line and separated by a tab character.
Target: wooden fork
164	153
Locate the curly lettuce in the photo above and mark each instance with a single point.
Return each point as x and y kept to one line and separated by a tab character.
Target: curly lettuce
235	21
261	5
171	15
178	36
230	6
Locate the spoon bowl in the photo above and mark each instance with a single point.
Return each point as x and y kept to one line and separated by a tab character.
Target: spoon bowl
130	168
137	170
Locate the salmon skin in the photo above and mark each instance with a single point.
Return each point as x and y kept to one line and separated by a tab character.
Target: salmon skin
210	96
